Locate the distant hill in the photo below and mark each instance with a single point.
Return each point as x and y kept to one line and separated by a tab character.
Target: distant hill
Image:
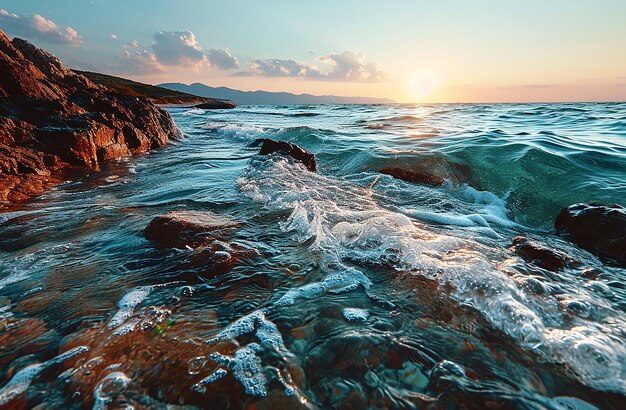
157	95
267	97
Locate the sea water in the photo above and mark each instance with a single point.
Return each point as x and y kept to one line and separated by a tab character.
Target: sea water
361	290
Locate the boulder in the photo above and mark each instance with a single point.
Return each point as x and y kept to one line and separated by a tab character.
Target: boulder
416	177
599	229
299	154
188	229
52	117
539	255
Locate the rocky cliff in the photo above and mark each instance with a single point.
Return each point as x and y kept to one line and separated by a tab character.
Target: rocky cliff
52	117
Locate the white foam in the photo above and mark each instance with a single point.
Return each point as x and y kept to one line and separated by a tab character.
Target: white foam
342	222
355	314
195	111
14	278
265	331
5	312
127	305
245	365
238	131
337	282
491	211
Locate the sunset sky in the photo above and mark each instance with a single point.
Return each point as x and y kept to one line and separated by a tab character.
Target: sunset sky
410	51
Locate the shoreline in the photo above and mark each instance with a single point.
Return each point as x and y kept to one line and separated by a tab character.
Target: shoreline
52	118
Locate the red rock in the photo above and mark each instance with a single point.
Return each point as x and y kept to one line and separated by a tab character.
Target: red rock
188	229
51	116
539	255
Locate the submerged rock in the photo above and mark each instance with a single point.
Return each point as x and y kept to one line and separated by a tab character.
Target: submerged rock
599	229
51	117
214	259
188	229
307	158
539	255
416	177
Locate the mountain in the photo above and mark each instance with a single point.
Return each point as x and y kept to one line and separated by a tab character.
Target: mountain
267	97
156	94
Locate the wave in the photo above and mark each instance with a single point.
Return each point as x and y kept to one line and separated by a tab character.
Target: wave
343	223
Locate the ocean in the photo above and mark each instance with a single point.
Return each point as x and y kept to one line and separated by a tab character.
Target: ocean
356	290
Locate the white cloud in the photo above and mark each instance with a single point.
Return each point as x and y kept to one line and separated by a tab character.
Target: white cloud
139	62
347	66
174	49
275	67
38	27
177	48
222	59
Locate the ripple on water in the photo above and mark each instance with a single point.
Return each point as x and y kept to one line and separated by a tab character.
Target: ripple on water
365	290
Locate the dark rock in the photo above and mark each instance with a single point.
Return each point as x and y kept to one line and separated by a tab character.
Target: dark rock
188	229
416	177
51	117
599	229
216	105
539	255
216	258
307	158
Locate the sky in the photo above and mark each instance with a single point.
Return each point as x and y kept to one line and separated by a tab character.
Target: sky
409	51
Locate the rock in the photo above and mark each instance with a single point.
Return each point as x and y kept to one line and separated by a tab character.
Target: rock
599	229
188	229
51	117
416	177
213	259
216	105
539	255
307	158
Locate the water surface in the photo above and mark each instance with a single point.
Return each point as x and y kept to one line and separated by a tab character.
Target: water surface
358	290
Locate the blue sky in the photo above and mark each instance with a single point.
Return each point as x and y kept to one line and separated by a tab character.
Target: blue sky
406	50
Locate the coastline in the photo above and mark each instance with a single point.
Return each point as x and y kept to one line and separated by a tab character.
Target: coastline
52	118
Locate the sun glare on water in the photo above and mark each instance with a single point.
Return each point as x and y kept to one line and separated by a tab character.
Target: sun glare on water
422	83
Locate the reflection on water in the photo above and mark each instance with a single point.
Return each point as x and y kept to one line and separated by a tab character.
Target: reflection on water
357	291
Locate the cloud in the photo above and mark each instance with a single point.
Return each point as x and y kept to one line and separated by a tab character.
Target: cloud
39	27
177	48
222	59
280	68
138	62
128	63
347	66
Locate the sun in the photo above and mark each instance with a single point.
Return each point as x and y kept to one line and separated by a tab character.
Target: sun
422	83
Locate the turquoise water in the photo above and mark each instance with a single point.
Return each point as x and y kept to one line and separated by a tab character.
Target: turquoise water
361	290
